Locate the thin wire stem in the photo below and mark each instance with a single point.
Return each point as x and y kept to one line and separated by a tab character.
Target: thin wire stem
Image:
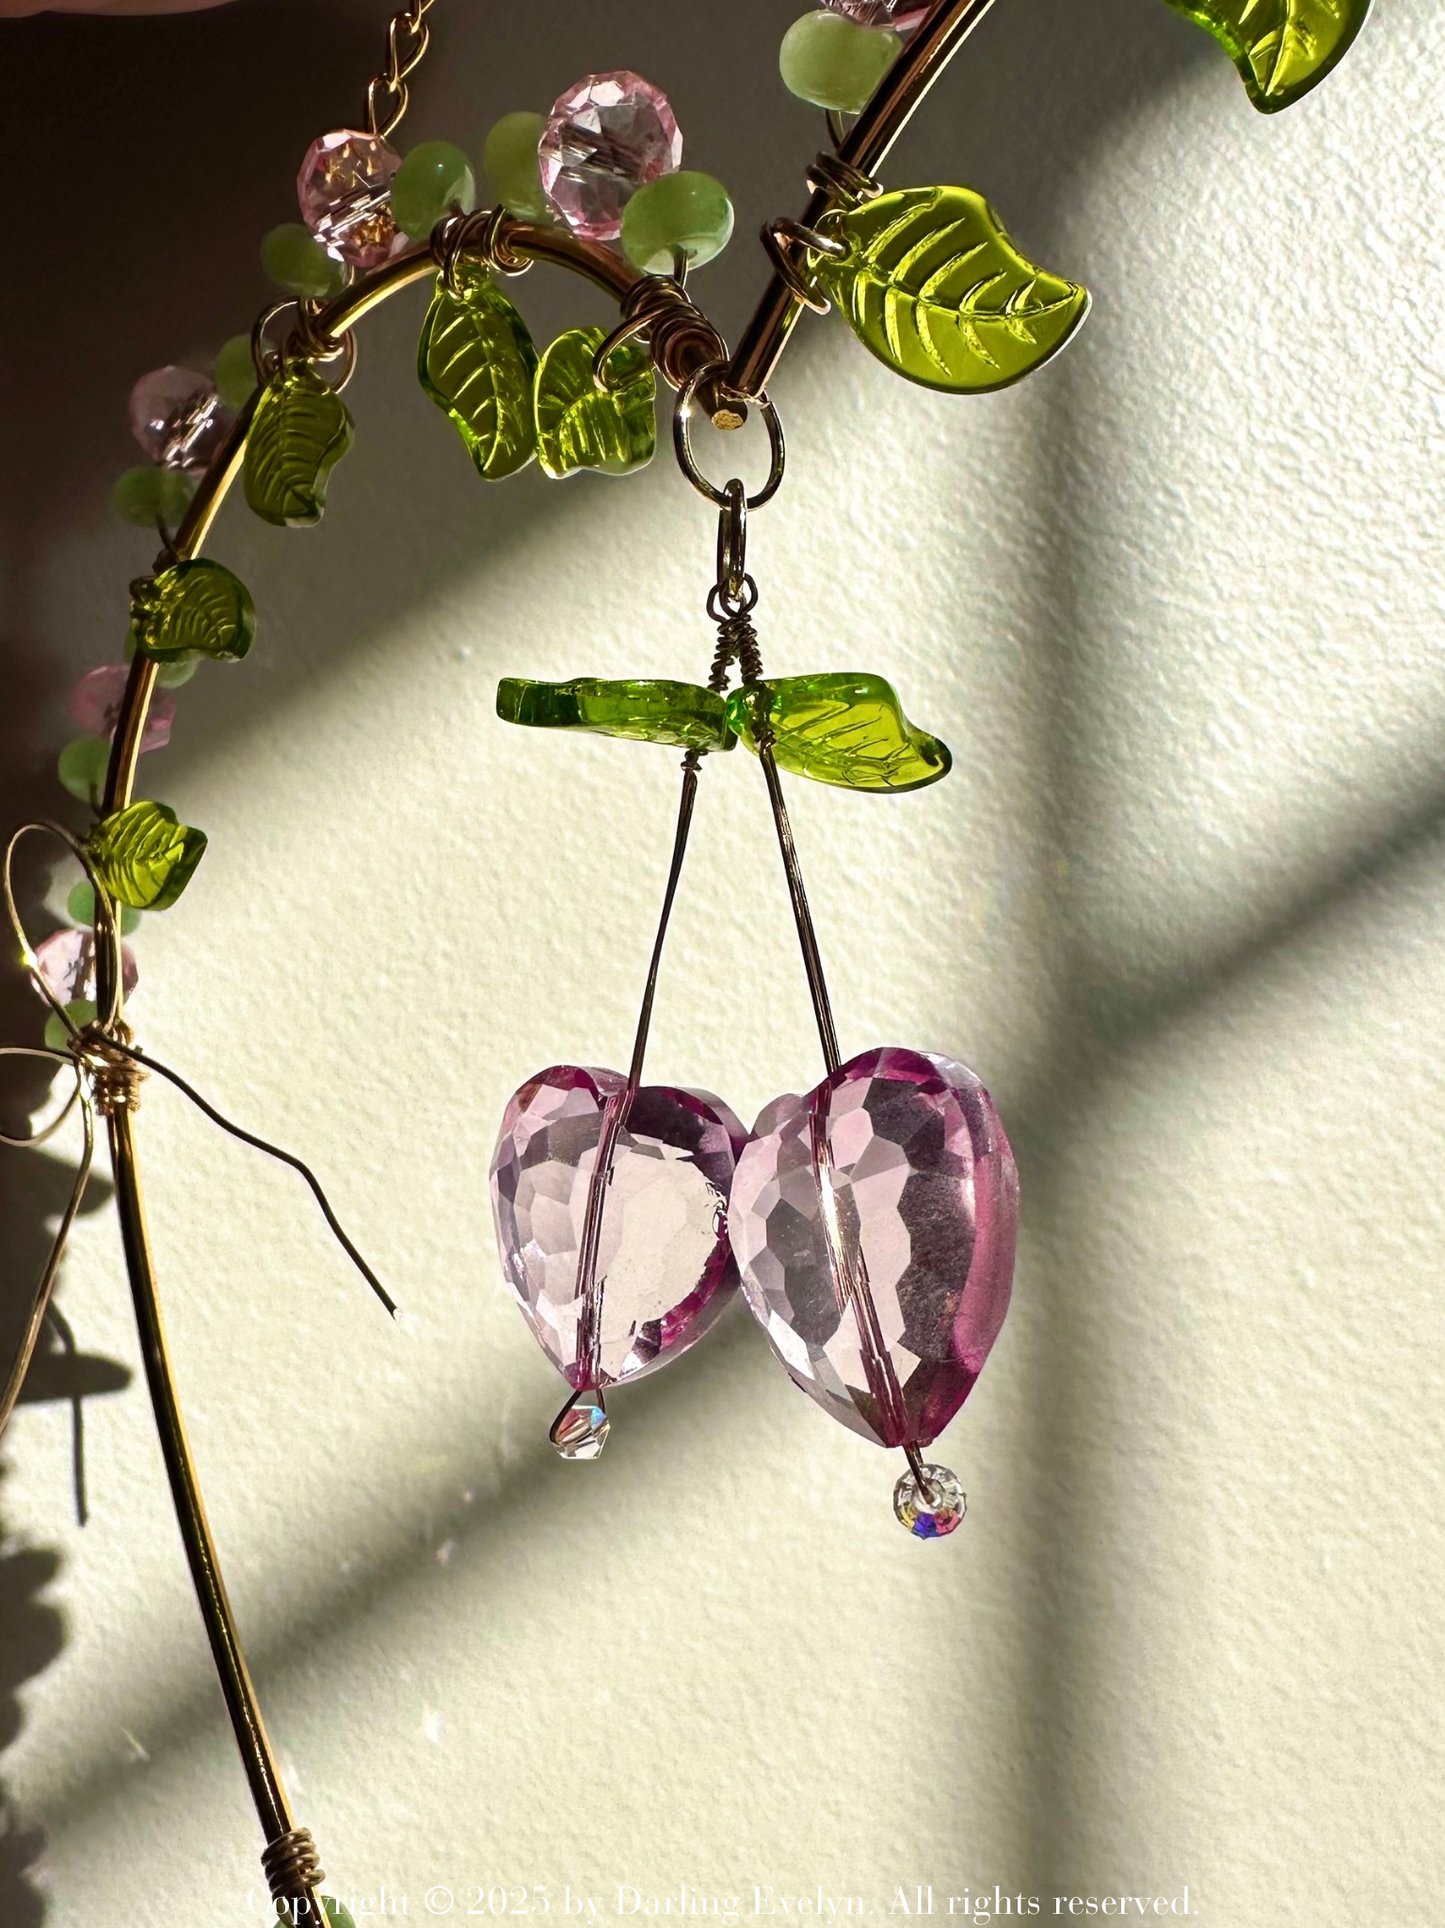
802	916
273	1151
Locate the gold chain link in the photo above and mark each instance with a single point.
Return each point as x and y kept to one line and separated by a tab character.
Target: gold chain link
388	92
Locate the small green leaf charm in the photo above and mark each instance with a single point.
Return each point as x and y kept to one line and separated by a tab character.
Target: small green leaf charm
1282	48
476	360
842	727
581	426
934	287
683	715
144	857
194	608
300	430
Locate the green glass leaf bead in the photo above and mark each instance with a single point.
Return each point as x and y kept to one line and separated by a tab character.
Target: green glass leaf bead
840	727
510	160
682	715
581	426
144	857
1282	48
431	178
57	1033
831	61
300	430
169	676
194	608
686	213
335	1913
295	260
932	285
477	361
82	769
80	908
235	372
148	495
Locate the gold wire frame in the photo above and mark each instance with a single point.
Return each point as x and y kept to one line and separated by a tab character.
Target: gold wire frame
692	357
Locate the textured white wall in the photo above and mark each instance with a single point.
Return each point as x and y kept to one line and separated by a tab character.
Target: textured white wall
1176	604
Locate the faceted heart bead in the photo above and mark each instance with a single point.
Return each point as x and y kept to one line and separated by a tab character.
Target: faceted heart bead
663	1272
874	1222
344	191
604	138
177	417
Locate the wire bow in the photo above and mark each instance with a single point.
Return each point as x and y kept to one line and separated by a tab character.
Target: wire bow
109	1069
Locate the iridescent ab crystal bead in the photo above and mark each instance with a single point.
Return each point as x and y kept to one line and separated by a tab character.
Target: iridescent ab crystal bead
344	188
96	706
933	1506
177	417
66	960
604	138
874	1222
662	1273
580	1430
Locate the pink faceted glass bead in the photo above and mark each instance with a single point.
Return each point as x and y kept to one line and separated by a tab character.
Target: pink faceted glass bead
605	138
67	963
874	1223
903	15
344	188
177	417
97	701
664	1267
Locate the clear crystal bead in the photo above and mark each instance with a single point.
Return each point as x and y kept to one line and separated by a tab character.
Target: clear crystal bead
344	189
604	138
932	1507
900	14
177	417
580	1430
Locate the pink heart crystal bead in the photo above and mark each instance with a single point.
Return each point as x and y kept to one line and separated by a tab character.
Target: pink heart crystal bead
874	1223
344	191
663	1272
178	419
605	138
96	704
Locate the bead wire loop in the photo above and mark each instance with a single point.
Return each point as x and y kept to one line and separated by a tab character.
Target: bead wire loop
480	238
780	238
682	441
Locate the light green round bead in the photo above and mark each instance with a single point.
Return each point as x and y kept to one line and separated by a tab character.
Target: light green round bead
685	213
80	908
295	260
235	372
148	495
510	158
82	769
833	62
57	1032
429	180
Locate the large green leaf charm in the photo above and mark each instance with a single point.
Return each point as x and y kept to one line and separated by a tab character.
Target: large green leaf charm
932	284
1282	48
300	430
581	426
840	727
144	857
194	608
476	360
683	715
